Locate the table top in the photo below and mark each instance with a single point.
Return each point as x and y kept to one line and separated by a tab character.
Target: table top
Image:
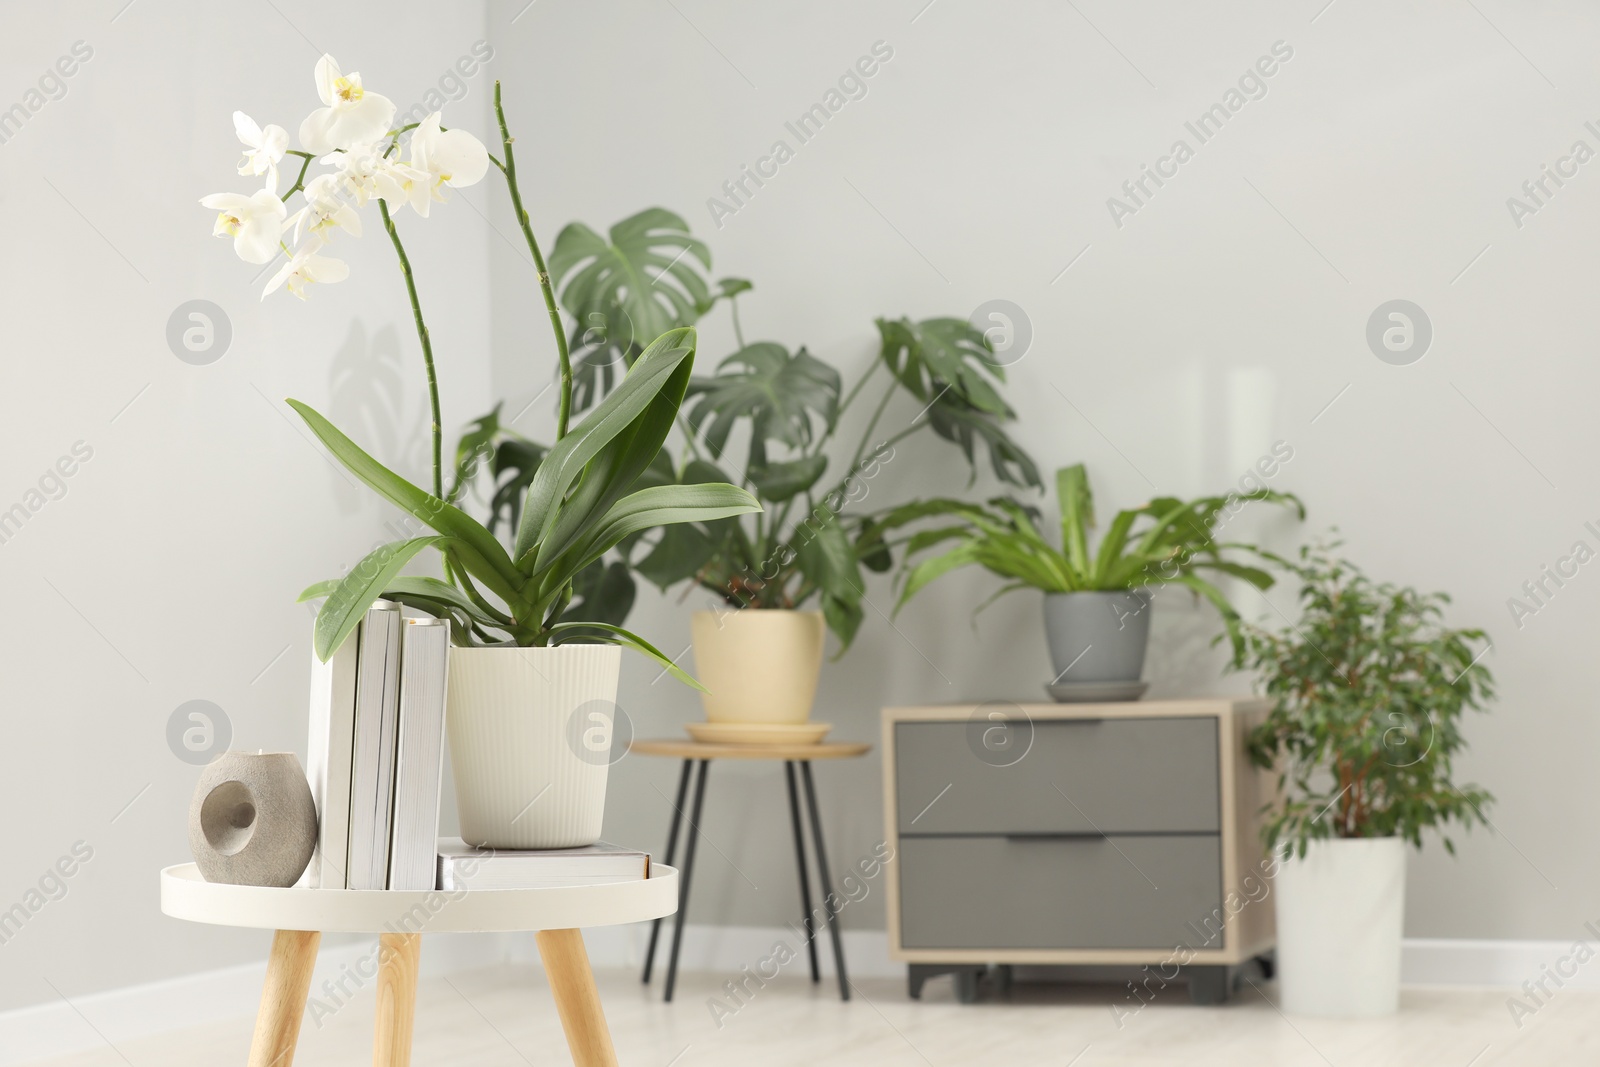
186	895
677	749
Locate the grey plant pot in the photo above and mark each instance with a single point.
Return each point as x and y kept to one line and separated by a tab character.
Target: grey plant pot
1097	637
252	820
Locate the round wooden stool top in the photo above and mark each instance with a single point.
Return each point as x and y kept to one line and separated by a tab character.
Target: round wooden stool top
701	750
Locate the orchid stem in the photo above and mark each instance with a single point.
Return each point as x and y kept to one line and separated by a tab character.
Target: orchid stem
427	350
299	182
509	169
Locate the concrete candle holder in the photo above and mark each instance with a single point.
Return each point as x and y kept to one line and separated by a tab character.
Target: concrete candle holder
252	820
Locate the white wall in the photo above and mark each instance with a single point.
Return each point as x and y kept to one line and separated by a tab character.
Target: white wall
167	572
1223	316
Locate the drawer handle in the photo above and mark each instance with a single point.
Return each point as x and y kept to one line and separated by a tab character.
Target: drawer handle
1059	835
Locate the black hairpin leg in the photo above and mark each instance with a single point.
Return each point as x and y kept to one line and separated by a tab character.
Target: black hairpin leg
684	877
826	879
800	863
672	850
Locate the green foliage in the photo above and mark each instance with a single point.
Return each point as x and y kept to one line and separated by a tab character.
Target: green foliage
947	364
583	500
622	292
812	541
1369	688
639	284
788	399
1165	542
810	545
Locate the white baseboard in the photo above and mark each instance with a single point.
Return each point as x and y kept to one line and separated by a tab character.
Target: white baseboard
119	1015
1494	964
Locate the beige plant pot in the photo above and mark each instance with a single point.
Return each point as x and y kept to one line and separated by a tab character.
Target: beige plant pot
760	664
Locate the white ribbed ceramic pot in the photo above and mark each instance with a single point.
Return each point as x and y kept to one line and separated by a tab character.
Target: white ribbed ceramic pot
760	665
517	719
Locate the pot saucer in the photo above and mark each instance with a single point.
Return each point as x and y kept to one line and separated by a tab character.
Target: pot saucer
758	733
1095	692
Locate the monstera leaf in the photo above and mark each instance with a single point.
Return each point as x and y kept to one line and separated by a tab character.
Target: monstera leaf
939	355
624	292
784	397
948	364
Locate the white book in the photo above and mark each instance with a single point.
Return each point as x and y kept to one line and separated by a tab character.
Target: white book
462	866
328	751
419	760
372	766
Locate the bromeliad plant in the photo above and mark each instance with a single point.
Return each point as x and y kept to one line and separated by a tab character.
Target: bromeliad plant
1165	542
1369	688
585	497
785	406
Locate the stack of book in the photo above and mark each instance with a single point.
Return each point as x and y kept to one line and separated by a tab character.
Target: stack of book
376	753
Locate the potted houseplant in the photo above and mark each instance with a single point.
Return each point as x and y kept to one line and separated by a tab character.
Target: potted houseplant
1097	603
811	541
782	582
521	669
1369	689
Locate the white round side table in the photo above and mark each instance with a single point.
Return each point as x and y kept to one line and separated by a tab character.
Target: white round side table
301	916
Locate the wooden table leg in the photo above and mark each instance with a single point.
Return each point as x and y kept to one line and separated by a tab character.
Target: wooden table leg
398	958
283	997
566	963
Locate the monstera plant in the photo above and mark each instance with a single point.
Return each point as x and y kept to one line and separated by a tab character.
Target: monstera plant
807	545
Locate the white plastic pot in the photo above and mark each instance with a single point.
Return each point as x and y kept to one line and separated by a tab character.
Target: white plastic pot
520	721
760	664
1340	911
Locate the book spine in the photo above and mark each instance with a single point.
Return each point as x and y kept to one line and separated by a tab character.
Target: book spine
419	763
374	681
388	743
328	761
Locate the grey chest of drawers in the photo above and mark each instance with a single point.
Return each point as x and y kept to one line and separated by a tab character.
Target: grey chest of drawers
1095	834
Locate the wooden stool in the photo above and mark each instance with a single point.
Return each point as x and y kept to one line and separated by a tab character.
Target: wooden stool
699	753
300	916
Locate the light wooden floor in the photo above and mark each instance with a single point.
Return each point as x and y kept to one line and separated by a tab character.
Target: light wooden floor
504	1018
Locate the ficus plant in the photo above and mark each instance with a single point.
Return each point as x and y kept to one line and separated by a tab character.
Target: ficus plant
1167	541
809	544
585	497
1369	688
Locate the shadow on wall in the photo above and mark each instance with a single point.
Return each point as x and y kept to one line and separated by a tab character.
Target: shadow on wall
366	396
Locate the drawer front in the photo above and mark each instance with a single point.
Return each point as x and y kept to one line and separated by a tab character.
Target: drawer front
1060	893
1155	775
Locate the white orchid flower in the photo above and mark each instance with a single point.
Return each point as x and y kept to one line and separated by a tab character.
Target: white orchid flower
307	267
352	114
442	157
356	169
264	148
255	222
326	210
363	173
